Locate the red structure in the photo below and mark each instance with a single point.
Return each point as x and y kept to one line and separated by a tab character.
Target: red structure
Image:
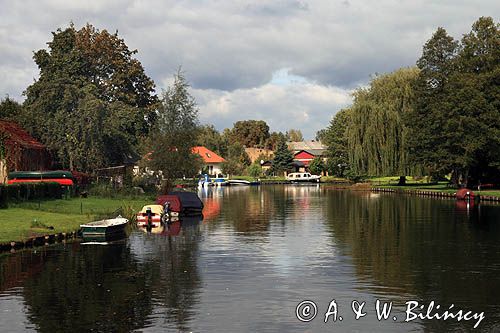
467	195
21	150
304	157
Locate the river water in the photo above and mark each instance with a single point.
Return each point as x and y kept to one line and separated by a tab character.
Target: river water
257	254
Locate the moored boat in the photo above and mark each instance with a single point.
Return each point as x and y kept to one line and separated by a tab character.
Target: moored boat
303	177
62	177
240	182
182	203
156	212
109	228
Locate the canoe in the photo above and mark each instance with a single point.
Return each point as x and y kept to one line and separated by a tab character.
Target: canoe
40	174
105	228
61	181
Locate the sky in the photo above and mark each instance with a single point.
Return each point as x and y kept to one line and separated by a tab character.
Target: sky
292	63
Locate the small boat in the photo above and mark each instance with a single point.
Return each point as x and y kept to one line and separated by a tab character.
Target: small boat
240	182
156	215
59	176
104	229
303	177
182	203
467	195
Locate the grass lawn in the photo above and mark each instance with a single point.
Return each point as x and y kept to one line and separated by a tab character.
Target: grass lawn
21	221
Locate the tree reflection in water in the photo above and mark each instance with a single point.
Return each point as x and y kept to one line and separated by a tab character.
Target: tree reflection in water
421	248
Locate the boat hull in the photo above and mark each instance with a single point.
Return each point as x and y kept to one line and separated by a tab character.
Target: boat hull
105	229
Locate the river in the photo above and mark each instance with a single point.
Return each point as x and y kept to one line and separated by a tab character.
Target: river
257	254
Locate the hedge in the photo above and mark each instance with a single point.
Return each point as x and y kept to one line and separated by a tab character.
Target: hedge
29	191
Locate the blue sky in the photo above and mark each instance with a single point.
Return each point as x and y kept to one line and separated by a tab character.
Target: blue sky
293	64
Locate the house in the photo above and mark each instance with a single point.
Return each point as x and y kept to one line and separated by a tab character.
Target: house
304	152
211	161
20	151
255	153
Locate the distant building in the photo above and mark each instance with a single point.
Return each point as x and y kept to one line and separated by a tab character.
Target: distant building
314	148
211	161
19	151
304	152
254	153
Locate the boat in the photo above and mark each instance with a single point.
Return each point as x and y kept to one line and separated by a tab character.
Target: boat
240	182
303	177
62	177
468	195
105	229
40	174
156	215
181	203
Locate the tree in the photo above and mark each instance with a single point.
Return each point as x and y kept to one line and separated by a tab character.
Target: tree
283	158
209	137
250	133
294	135
254	170
456	122
274	138
376	132
175	134
335	138
80	70
10	109
317	166
427	134
321	135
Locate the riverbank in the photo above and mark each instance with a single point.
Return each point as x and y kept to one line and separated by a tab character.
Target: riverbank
30	220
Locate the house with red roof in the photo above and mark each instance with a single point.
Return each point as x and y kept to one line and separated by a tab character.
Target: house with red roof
20	151
211	161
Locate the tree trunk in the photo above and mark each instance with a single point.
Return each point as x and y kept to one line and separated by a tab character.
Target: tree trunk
402	181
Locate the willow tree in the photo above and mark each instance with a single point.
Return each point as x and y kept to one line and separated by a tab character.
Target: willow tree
376	133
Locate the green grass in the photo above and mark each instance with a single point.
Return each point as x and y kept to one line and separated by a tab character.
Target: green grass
25	220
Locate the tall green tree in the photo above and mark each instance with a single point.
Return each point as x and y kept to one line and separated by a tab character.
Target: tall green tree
175	134
250	133
456	122
283	158
80	70
335	138
376	132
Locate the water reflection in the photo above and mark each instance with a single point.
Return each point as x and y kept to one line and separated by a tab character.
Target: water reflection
257	253
427	249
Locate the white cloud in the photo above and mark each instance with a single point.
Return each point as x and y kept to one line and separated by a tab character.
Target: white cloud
297	104
233	48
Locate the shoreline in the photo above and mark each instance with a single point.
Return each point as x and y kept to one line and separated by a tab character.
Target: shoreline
38	241
434	194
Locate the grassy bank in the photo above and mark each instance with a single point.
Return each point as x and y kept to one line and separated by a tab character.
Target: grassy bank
25	220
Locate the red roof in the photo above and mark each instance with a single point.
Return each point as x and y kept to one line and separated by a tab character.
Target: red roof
17	135
303	155
208	155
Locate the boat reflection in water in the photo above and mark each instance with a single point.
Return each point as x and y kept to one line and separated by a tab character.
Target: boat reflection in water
174	225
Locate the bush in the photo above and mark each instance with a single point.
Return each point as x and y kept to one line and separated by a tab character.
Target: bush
254	170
